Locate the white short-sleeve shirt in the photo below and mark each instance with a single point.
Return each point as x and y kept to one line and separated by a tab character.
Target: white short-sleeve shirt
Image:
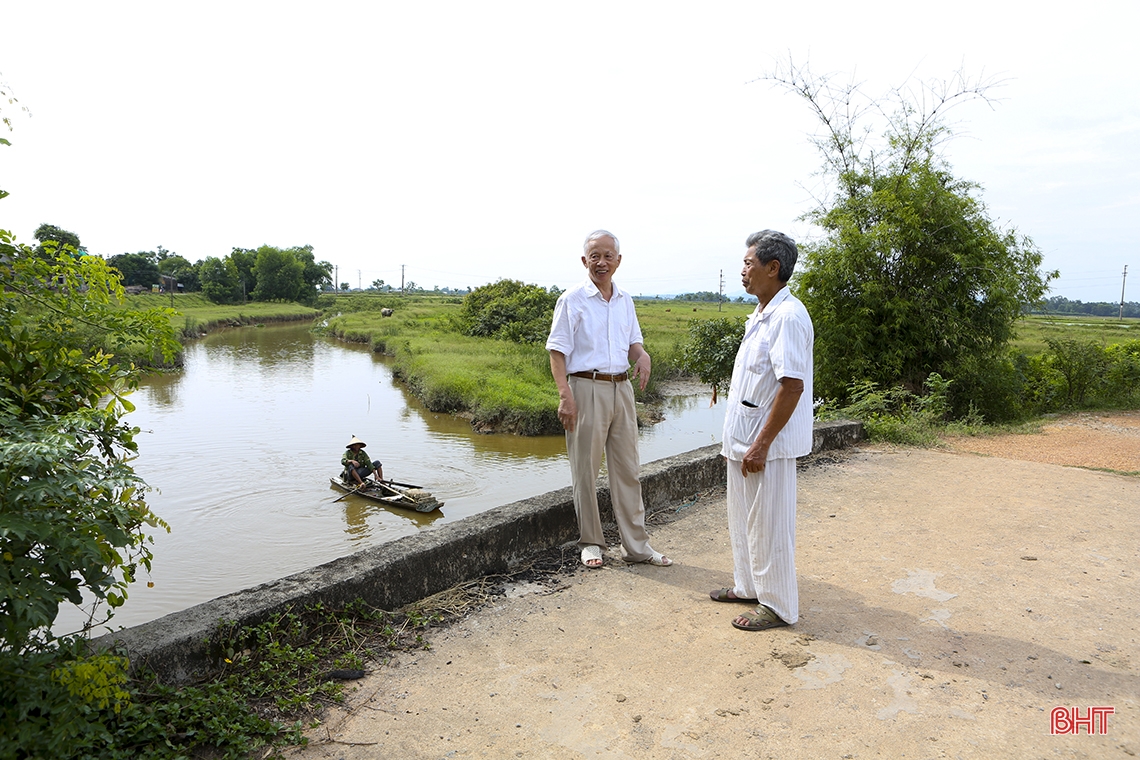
778	342
593	333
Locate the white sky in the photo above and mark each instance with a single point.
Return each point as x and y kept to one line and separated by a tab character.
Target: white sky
474	141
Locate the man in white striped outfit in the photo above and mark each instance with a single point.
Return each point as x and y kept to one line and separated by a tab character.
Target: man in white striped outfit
767	425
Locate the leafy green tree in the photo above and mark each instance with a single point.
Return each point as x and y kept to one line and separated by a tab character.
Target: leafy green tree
73	517
509	309
911	276
185	273
1082	363
711	349
378	285
72	512
314	274
49	233
245	259
136	268
280	275
220	280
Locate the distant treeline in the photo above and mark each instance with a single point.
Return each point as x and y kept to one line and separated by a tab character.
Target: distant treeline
1062	305
702	295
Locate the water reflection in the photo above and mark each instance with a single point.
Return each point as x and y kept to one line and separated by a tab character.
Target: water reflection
241	445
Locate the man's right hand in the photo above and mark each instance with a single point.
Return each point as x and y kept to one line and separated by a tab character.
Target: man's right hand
567	412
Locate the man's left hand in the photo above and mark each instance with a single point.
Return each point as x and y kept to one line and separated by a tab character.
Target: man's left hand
641	369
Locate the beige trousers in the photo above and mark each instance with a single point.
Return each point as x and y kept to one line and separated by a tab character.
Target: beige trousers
607	422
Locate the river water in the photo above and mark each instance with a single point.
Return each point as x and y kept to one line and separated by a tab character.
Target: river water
241	444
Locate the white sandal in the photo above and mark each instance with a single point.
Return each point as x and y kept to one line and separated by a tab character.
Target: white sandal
656	558
592	553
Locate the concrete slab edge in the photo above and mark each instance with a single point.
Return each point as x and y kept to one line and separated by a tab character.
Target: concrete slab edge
180	647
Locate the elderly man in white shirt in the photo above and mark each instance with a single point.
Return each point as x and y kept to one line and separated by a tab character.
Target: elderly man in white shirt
593	339
767	425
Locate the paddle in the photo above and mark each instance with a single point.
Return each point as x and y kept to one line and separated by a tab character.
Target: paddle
360	487
402	485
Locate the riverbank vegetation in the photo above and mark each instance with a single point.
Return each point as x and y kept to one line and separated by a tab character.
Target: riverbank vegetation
194	315
443	349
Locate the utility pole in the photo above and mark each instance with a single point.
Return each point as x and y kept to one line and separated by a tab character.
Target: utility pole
1122	281
359	282
401	279
720	299
336	280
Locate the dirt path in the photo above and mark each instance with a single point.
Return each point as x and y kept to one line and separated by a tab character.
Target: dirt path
1099	440
949	602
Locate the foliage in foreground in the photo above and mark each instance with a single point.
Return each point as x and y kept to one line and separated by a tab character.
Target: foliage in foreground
72	513
67	704
73	519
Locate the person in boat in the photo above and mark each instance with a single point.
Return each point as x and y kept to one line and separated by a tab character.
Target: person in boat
357	464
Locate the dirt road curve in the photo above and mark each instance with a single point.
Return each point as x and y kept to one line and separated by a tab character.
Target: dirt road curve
949	601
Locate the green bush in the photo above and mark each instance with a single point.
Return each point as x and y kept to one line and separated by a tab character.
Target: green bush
1121	382
55	703
1081	364
711	349
510	310
897	415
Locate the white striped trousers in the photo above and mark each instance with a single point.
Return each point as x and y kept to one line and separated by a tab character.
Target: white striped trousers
762	529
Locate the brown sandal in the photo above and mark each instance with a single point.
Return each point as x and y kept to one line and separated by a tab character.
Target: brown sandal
726	595
759	620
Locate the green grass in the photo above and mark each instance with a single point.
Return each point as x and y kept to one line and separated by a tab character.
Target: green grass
665	325
194	313
1032	331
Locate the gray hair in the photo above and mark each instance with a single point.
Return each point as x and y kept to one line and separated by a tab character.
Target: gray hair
771	245
598	234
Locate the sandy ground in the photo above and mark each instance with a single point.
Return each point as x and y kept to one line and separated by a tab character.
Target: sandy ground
949	601
1099	440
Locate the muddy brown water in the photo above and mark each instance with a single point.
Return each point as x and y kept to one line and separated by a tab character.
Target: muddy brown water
240	446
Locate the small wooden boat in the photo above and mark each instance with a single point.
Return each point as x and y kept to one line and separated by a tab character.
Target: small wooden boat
396	495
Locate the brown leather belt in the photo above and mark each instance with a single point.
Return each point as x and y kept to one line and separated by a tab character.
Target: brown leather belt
600	376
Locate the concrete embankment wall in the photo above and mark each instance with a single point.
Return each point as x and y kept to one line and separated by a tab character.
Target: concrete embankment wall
178	646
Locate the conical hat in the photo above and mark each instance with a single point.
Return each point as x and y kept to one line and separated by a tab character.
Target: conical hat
355	441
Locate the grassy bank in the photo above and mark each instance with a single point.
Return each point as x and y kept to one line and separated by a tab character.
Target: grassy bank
499	384
194	314
502	386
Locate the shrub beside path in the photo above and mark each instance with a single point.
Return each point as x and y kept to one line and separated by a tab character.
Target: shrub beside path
949	601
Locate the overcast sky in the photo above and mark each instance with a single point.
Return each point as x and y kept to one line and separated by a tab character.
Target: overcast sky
470	141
